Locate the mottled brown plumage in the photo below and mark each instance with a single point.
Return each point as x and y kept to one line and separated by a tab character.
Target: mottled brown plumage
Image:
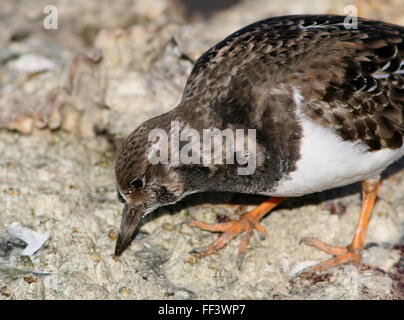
268	76
351	80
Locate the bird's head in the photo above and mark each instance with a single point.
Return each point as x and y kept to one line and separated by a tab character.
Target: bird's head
142	186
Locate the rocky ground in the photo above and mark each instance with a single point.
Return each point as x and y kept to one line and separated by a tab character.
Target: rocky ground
69	96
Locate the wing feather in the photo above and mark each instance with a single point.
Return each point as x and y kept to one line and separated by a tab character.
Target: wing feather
351	80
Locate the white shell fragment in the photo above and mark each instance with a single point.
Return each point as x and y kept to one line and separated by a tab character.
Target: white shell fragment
32	63
34	240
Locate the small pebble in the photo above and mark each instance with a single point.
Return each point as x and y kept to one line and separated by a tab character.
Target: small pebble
112	235
95	257
30	280
4	291
32	63
125	291
212	266
12	192
190	259
168	226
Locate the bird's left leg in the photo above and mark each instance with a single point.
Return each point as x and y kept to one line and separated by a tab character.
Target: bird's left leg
245	225
353	252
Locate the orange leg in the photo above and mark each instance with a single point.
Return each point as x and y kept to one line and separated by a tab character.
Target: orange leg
231	229
353	252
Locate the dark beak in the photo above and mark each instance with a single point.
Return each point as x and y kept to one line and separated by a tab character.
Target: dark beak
130	219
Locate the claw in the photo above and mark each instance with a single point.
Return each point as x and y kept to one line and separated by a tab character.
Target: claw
186	221
196	251
240	260
303	240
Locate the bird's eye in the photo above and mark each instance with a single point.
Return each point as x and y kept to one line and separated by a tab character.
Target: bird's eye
136	183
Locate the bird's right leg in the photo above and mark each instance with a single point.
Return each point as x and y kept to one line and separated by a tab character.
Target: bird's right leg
353	252
231	229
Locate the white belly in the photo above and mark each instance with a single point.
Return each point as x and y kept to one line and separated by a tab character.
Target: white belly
328	162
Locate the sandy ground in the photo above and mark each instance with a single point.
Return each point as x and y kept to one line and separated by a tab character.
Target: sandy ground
61	126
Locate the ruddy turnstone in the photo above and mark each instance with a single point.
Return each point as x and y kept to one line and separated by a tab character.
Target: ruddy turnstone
325	100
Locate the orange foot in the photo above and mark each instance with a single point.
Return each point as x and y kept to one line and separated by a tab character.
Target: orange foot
231	229
342	255
353	252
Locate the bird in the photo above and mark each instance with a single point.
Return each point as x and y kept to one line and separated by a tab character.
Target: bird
325	101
